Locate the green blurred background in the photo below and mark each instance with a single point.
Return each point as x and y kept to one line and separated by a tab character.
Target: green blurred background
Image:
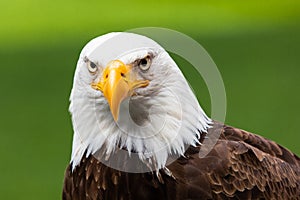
255	44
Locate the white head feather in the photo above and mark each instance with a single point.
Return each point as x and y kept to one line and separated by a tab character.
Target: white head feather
160	121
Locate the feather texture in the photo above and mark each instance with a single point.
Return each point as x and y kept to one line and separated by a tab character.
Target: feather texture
241	165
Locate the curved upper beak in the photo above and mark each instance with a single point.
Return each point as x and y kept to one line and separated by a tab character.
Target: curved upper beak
117	83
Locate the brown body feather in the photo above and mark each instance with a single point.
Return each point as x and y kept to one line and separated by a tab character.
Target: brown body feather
241	165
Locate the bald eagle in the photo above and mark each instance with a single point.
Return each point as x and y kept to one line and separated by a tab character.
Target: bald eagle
139	132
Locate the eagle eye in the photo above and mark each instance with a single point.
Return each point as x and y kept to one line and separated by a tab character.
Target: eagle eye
92	67
144	63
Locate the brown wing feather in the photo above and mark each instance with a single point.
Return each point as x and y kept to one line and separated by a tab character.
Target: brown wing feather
241	165
272	172
93	180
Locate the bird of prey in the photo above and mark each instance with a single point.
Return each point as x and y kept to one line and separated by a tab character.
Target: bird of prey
139	132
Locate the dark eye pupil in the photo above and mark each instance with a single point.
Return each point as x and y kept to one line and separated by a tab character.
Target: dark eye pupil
143	62
93	65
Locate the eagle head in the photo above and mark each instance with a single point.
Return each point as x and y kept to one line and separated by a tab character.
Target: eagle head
129	96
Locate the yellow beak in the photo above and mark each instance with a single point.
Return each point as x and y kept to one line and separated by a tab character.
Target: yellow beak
117	83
